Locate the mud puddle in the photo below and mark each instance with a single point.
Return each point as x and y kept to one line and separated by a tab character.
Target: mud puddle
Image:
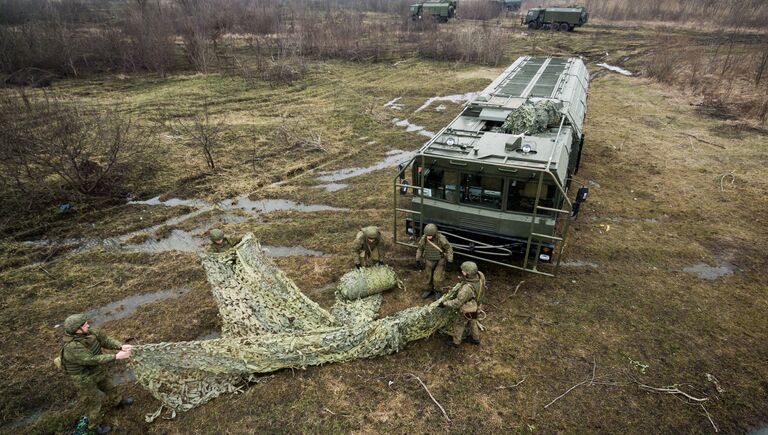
269	205
126	307
332	187
710	273
291	251
393	158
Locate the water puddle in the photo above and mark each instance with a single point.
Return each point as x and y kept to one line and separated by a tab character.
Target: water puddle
617	69
412	128
289	251
173	202
178	240
450	98
392	104
710	273
269	205
440	108
578	263
332	187
393	158
126	307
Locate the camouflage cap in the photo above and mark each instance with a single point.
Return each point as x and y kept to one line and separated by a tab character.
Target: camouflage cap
430	230
216	235
469	267
371	232
73	322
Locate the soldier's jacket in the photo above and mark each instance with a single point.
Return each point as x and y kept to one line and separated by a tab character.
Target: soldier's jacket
470	295
81	356
434	249
226	245
362	249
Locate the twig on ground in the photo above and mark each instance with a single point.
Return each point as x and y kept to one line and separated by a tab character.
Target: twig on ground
47	273
670	390
94	285
701	140
594	365
709	417
329	411
518	287
431	397
502	387
722	179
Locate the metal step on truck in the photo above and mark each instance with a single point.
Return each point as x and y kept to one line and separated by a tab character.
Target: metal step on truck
496	180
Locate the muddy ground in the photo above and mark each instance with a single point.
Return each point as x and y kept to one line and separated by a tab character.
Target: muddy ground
664	283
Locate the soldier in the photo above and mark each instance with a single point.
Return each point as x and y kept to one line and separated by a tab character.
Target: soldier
367	247
467	302
82	359
433	250
220	243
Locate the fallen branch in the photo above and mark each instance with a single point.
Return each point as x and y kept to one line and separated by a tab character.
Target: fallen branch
431	397
701	140
518	287
594	365
709	417
510	386
722	179
670	390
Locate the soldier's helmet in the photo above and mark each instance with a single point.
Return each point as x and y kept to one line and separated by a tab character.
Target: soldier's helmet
73	322
371	232
216	235
470	268
430	230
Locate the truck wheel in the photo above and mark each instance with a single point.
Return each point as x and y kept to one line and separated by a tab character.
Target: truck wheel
564	27
554	27
531	25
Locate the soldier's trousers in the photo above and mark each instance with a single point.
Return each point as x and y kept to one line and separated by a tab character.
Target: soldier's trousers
461	325
434	274
95	394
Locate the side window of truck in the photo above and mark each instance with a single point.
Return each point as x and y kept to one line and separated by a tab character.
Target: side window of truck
521	196
441	184
481	190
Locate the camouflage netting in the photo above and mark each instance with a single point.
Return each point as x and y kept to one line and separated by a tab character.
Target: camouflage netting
533	118
361	283
268	324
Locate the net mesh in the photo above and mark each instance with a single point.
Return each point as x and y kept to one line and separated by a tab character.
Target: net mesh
269	324
532	118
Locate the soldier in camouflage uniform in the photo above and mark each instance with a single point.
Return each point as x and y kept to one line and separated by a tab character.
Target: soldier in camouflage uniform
367	247
468	303
221	243
433	250
82	359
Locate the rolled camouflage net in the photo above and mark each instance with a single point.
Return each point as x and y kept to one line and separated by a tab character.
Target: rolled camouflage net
270	325
532	118
361	283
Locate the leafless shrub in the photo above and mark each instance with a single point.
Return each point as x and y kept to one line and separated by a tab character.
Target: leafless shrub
45	141
479	9
467	45
200	132
662	61
295	137
344	35
740	13
144	38
761	63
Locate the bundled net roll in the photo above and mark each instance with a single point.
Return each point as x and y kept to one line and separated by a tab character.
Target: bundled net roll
270	325
367	281
532	118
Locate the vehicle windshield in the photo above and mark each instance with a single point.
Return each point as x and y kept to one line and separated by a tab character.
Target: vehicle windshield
522	196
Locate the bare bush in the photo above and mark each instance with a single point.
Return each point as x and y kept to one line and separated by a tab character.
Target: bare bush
739	13
480	9
482	45
201	132
663	59
45	141
344	35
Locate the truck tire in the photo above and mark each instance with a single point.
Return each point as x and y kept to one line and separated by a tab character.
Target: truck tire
554	27
564	27
531	25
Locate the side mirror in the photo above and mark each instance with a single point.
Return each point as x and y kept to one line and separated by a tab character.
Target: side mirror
404	187
581	196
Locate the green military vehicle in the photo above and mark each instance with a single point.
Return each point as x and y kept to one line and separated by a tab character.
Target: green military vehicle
561	19
438	10
496	179
510	5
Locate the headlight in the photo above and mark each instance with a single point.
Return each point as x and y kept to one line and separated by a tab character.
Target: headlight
450	141
526	148
544	257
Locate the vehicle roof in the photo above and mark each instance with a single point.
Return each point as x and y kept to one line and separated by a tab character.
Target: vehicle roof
563	81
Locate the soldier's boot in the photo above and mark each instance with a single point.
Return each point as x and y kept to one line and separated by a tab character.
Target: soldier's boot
437	295
451	342
475	341
474	332
426	293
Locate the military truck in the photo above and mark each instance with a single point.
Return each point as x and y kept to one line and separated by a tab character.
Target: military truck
496	180
560	19
439	10
511	5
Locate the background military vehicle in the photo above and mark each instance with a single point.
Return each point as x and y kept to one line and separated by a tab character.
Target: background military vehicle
439	10
562	19
511	5
496	179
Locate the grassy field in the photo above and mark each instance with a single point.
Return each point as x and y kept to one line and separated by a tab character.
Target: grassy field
630	316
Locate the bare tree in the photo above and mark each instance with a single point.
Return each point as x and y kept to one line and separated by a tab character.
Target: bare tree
201	132
762	62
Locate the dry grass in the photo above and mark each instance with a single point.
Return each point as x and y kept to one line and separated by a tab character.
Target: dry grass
655	208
